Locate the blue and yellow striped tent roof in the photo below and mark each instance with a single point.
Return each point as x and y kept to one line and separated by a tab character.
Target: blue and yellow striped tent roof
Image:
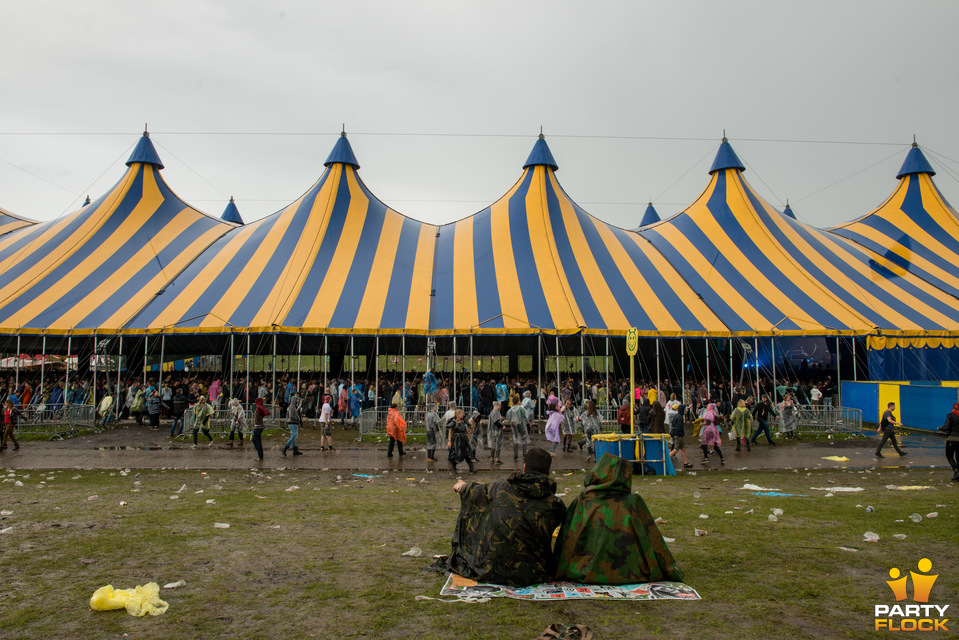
93	269
764	273
535	261
915	229
336	260
11	222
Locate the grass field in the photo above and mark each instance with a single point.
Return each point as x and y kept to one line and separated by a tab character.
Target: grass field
318	554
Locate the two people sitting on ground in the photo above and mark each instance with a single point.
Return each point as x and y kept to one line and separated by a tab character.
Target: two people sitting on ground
504	532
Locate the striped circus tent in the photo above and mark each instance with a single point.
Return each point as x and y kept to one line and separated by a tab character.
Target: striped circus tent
915	229
11	222
764	273
337	260
93	269
534	262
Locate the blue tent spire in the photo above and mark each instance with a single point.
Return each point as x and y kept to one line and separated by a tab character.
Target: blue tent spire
650	216
726	158
145	152
231	213
789	212
342	153
540	155
915	163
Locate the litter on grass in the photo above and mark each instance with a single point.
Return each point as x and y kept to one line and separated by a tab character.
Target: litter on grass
414	552
139	601
911	488
838	489
754	487
365	475
870	536
836	458
175	585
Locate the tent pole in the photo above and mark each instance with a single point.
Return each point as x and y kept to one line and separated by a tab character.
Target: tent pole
658	385
855	363
732	391
453	390
67	362
116	399
758	391
607	370
326	361
582	364
273	387
43	366
232	366
352	368
775	390
146	342
299	359
162	354
539	370
838	394
95	340
709	386
376	374
403	366
682	369
469	402
246	386
18	362
558	386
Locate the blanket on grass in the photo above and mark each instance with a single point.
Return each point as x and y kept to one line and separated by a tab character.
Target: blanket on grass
460	587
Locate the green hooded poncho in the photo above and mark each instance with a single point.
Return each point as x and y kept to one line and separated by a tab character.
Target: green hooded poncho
504	530
609	537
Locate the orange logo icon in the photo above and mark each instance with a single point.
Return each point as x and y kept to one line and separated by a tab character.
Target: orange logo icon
921	583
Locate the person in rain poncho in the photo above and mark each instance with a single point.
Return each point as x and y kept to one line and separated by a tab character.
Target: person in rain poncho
609	536
740	421
237	420
504	530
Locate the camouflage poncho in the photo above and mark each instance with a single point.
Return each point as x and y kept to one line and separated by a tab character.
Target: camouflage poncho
504	531
609	537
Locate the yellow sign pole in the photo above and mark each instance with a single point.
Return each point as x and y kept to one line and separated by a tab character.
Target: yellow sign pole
632	346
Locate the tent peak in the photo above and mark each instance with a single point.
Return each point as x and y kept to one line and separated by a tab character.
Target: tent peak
145	152
541	155
651	216
726	158
342	152
914	163
788	211
231	213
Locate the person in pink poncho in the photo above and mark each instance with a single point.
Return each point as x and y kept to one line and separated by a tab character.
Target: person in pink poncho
554	418
710	434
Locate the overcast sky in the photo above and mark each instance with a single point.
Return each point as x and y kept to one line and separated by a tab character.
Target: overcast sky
443	100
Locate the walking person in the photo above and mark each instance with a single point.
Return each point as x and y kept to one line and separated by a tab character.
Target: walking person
326	424
787	415
11	416
259	413
519	424
554	416
624	418
568	425
592	426
677	431
494	432
432	430
951	429
710	434
764	411
740	420
202	414
237	419
396	430
180	405
887	427
293	421
457	442
657	417
154	406
106	407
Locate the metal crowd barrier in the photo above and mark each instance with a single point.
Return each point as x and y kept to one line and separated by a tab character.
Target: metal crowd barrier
220	422
57	421
828	419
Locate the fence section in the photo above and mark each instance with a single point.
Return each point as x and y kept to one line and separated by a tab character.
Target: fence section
826	419
55	421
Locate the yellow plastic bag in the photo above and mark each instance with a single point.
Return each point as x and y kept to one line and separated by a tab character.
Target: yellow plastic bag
138	601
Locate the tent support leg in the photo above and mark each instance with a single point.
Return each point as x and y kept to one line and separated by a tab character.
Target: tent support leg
658	385
299	359
273	394
682	369
582	364
376	374
469	401
146	352
17	382
247	385
855	363
558	385
709	386
67	362
116	398
838	395
758	391
775	390
539	370
43	366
